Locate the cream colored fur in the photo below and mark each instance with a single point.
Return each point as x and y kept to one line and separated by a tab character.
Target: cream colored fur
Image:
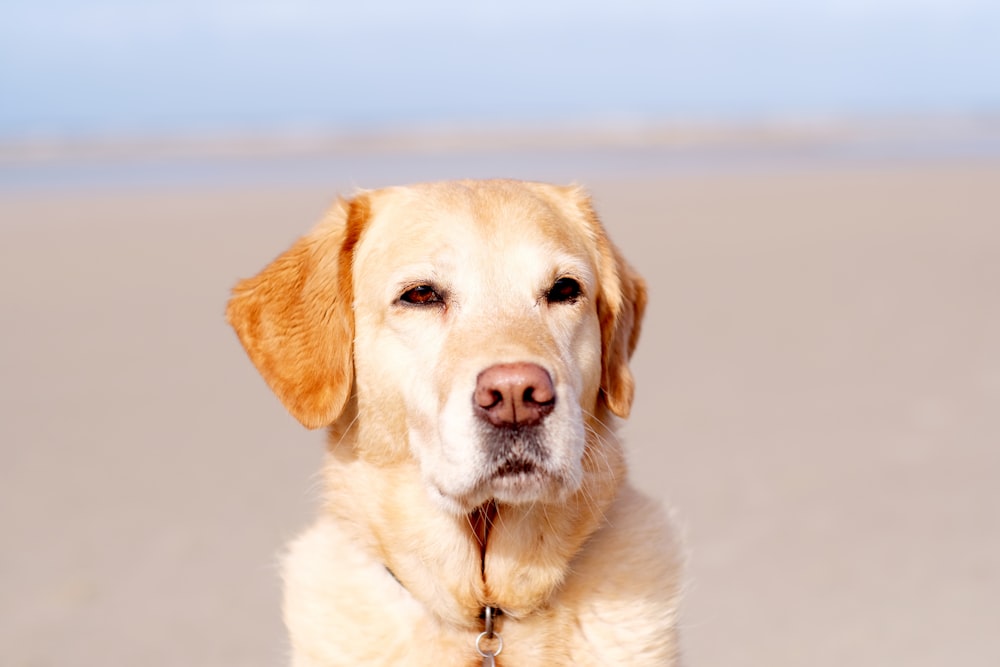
395	571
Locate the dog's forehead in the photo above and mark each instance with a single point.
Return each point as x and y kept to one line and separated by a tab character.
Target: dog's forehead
418	223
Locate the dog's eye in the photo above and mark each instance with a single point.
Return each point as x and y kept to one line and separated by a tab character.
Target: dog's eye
564	290
421	295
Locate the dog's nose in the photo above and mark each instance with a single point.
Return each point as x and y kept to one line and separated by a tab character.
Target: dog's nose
518	394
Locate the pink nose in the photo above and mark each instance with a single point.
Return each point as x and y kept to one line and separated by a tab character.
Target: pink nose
518	394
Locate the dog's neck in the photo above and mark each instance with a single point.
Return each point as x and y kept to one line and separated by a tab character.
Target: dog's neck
481	521
512	557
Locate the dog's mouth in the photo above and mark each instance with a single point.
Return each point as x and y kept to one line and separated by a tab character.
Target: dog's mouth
514	481
521	480
518	469
513	468
517	465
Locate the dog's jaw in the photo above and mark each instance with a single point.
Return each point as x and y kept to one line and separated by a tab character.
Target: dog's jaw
527	487
516	483
465	463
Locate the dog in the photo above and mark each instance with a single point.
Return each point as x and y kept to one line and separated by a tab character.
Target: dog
466	344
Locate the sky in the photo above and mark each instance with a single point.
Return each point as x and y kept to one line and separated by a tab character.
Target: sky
70	68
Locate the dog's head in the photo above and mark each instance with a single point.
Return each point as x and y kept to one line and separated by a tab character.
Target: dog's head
482	327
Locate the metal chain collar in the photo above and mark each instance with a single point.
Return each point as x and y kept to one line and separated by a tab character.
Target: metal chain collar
489	638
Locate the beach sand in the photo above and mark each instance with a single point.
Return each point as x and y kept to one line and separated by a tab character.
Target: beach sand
818	401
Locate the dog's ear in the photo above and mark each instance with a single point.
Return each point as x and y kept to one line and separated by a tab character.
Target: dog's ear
621	302
296	320
621	321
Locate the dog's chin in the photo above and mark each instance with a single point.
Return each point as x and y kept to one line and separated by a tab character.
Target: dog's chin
518	483
513	483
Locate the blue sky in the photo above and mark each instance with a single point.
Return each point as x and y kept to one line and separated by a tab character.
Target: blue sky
70	68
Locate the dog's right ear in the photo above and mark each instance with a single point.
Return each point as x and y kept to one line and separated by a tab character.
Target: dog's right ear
296	321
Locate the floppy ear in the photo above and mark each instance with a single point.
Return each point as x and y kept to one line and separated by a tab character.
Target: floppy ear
621	302
295	318
621	321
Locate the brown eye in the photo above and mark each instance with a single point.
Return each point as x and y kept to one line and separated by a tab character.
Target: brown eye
564	290
421	295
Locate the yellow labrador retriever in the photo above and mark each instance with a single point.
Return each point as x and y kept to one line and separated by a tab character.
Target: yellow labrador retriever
466	344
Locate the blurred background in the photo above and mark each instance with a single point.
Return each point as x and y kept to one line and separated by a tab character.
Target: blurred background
812	192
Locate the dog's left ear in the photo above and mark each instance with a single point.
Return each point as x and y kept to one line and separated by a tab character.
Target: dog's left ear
621	303
296	321
621	314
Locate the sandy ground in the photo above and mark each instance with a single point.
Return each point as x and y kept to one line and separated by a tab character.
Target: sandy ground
819	400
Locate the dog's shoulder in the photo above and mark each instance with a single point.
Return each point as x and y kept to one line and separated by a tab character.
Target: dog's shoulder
343	608
624	590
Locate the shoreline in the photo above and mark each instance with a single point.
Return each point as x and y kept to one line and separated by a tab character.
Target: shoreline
506	137
570	153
